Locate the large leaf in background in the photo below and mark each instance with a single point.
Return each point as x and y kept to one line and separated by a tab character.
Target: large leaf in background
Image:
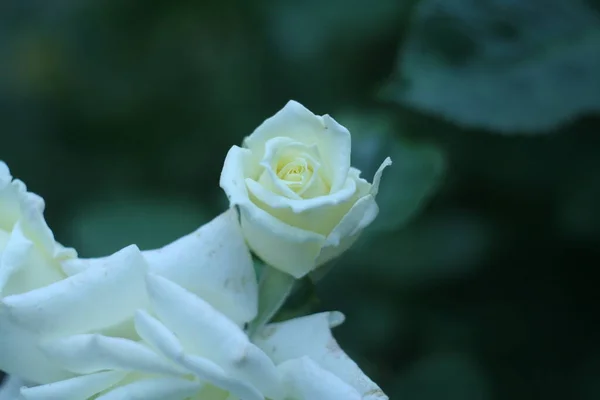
361	19
436	249
103	227
505	65
444	376
414	176
587	383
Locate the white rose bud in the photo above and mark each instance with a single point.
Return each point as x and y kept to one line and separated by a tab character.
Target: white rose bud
301	202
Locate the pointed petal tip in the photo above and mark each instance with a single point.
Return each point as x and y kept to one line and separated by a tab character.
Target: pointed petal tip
377	178
336	318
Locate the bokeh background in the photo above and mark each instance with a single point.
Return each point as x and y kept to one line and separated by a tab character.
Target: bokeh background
476	282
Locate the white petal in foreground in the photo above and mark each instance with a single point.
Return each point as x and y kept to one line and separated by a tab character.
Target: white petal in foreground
14	254
311	336
30	257
158	336
191	318
162	339
10	388
25	265
79	388
84	354
213	263
96	298
306	380
20	355
154	389
208	371
205	332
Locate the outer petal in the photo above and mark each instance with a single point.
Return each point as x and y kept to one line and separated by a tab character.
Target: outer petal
10	211
19	354
319	214
14	252
79	388
154	389
288	248
214	263
206	332
24	266
306	380
361	215
84	354
207	370
30	258
162	339
94	299
189	317
297	122
311	336
34	226
10	388
332	251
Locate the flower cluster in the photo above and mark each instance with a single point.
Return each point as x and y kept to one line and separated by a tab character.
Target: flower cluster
171	323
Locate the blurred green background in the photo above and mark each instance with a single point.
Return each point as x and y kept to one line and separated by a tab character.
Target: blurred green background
477	280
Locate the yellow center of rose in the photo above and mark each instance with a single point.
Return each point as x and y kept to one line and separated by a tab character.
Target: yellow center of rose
293	169
295	173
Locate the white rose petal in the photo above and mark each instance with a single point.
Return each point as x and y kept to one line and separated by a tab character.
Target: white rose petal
298	123
29	256
189	317
219	356
154	389
21	356
301	203
93	299
311	336
10	388
212	262
30	259
305	379
211	372
79	388
84	354
186	348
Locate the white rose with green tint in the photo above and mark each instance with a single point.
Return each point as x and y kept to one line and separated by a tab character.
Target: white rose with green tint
301	203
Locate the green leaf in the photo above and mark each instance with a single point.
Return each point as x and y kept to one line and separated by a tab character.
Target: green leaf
414	176
360	20
303	300
511	66
437	248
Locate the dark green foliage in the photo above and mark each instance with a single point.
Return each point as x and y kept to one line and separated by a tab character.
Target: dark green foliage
478	279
